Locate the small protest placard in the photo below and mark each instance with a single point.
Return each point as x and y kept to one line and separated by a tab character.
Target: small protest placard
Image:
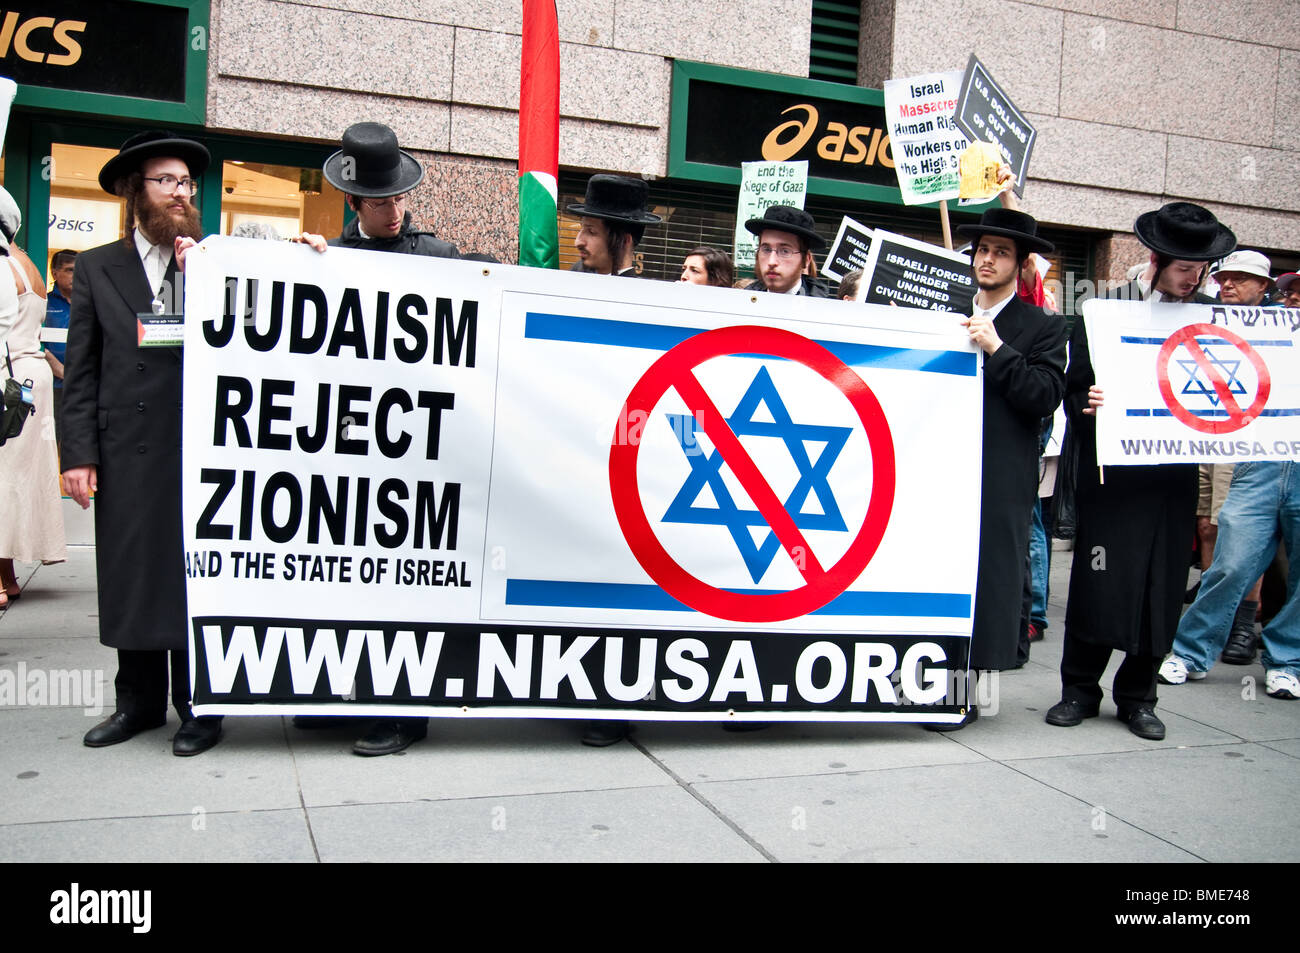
985	113
1195	383
923	135
850	250
914	274
762	185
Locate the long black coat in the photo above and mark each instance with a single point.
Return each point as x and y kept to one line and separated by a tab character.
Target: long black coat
1023	383
1134	535
122	413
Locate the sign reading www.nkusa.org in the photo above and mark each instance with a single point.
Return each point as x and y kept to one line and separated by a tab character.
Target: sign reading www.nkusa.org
1195	383
414	486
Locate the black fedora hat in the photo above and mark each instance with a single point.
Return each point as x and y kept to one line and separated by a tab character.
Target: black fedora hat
1184	230
618	199
787	218
1009	223
370	165
150	145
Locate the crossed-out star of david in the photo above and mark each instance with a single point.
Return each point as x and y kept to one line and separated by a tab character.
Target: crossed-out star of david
706	471
1198	387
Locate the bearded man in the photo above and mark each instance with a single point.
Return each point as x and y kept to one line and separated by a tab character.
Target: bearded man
122	435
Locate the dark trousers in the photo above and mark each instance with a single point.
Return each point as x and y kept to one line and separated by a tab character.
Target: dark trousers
141	683
1083	664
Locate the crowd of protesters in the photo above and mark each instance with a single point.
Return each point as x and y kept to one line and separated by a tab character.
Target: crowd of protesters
119	421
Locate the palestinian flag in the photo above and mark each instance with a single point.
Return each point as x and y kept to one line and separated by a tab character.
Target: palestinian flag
539	136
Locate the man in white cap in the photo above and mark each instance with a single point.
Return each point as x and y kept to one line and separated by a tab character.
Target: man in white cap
1261	508
1243	279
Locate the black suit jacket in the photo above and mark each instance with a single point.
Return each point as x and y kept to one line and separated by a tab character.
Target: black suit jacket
122	413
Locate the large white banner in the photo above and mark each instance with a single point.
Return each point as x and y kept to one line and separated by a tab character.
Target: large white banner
1195	383
415	486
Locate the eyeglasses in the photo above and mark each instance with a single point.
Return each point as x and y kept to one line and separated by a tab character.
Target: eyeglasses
169	183
391	202
785	252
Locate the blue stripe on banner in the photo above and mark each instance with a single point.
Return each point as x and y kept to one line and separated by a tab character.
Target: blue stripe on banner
1205	339
612	595
657	337
1164	412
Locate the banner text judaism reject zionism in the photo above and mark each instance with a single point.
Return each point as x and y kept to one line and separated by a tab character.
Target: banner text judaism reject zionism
273	414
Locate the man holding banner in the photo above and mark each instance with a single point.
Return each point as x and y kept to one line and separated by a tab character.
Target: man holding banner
1134	528
1024	378
122	436
376	176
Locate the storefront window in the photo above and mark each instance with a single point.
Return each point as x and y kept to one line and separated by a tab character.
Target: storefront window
81	214
259	200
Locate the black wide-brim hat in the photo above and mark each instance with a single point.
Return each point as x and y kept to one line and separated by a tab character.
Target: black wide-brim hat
787	218
1184	230
616	198
1008	223
150	145
370	165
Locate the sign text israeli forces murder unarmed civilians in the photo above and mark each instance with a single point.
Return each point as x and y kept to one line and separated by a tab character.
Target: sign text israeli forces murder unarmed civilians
913	274
421	486
986	114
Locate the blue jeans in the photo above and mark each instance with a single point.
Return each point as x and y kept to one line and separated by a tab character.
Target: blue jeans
1040	564
1263	506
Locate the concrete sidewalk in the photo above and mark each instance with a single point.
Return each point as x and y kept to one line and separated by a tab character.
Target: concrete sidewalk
1222	787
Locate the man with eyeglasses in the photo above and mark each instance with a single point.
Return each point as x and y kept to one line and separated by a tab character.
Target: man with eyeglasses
787	237
122	436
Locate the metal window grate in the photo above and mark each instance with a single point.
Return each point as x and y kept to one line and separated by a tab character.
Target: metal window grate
833	52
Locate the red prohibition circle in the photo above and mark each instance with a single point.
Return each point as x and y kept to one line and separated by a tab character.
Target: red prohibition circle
1237	418
674	369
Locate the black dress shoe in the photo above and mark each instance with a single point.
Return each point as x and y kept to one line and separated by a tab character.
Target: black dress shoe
1240	649
972	715
391	735
320	722
196	736
1142	721
1067	713
602	734
118	727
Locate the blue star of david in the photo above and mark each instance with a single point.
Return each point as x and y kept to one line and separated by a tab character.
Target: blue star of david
1198	387
706	471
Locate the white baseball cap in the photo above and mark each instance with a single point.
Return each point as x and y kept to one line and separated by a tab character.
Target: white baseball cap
1246	262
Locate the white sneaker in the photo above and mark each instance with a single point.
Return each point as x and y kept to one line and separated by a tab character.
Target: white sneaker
1174	671
1280	684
